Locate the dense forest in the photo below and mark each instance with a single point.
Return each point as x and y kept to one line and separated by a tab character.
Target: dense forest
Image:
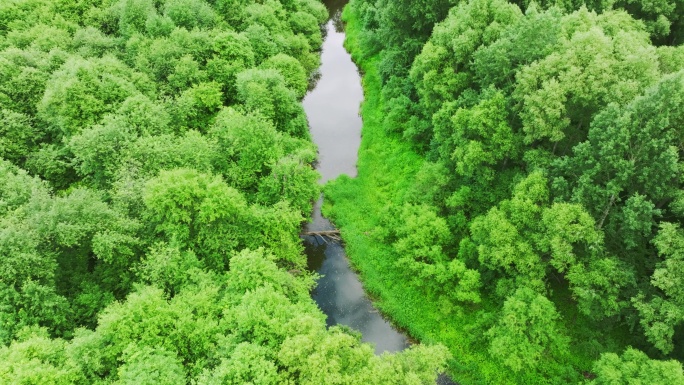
520	194
155	172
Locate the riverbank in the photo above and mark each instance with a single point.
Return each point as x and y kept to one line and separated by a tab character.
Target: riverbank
332	110
386	168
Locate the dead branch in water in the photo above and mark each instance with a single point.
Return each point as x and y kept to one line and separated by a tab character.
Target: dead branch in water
331	234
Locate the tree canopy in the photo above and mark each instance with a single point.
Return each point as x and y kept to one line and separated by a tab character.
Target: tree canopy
155	172
531	183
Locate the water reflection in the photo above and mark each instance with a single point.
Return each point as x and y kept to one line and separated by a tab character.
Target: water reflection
339	293
335	12
314	247
332	109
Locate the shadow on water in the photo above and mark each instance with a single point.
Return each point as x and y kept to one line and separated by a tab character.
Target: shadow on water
332	108
315	252
335	12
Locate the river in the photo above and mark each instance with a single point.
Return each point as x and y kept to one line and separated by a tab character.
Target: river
332	108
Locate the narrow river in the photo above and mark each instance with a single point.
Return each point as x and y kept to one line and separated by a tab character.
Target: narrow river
332	108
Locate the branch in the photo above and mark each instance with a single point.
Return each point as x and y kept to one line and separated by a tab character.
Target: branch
332	234
605	213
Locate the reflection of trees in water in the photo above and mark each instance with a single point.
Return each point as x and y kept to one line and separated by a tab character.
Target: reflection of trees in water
314	248
335	12
337	22
313	80
324	31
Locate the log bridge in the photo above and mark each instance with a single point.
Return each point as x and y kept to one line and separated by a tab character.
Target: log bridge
331	234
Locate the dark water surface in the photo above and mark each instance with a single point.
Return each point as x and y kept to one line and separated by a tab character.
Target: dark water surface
332	108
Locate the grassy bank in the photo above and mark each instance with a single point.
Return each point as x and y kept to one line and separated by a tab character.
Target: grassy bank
386	168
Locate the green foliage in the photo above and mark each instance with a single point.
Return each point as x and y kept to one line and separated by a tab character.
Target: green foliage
662	312
252	269
82	91
17	188
528	39
147	366
293	72
198	211
190	14
91	42
523	237
595	66
167	147
54	248
469	25
30	303
232	54
481	138
249	363
475	144
402	28
306	24
24	77
526	331
195	107
670	58
662	18
36	359
132	15
265	91
248	145
639	174
167	267
291	180
335	362
97	150
421	234
601	287
421	240
184	327
40	38
634	367
549	161
201	212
